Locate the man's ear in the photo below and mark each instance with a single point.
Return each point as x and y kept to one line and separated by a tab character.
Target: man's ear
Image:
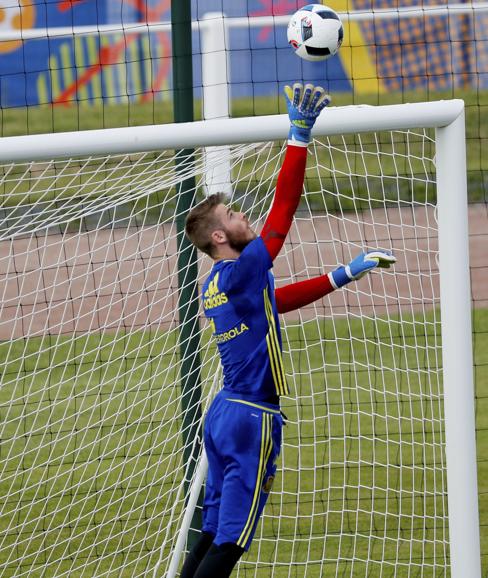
218	236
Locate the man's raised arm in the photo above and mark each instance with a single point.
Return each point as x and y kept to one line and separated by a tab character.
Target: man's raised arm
304	106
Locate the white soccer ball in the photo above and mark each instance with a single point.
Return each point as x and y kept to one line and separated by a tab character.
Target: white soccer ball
315	32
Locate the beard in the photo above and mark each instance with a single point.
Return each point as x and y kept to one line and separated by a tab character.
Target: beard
239	241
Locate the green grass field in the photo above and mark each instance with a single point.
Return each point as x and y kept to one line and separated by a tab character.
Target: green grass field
87	473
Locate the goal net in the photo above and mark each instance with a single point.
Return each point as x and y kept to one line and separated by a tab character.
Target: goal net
101	410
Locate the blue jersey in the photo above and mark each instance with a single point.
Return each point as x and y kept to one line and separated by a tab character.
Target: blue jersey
238	299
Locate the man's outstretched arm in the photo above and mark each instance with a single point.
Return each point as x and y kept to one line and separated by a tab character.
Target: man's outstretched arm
304	106
296	295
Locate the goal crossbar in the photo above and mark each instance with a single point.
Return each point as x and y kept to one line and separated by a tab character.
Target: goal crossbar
221	132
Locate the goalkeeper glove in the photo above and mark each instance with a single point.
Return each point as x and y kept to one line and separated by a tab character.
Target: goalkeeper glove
361	265
304	104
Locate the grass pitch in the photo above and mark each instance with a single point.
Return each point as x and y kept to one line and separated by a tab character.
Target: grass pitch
88	473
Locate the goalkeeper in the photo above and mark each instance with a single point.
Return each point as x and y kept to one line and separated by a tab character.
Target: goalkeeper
242	433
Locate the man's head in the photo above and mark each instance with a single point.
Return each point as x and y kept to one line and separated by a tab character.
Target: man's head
217	229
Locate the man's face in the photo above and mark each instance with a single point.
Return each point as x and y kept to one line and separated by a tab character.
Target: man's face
236	227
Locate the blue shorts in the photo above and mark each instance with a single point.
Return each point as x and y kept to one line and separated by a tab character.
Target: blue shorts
242	442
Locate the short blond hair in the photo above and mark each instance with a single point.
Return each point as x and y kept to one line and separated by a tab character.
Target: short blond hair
201	222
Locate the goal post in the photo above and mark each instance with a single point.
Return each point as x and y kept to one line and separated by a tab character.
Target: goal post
457	343
383	407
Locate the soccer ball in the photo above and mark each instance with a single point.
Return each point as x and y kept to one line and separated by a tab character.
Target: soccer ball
315	32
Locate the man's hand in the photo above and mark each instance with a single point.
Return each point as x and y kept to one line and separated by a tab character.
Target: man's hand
304	105
361	265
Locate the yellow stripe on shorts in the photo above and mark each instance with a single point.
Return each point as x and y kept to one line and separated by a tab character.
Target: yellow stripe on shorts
264	454
257	405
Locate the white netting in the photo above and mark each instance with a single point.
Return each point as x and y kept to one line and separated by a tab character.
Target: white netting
92	426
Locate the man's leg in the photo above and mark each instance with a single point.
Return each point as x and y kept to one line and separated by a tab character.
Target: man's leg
196	555
251	443
242	448
219	561
211	503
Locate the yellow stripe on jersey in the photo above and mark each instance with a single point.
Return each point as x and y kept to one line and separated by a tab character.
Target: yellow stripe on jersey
274	350
276	358
264	454
274	362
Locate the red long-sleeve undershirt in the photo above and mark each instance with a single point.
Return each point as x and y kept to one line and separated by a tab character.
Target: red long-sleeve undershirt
296	295
277	225
287	196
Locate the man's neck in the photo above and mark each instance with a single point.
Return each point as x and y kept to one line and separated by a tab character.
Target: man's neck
226	253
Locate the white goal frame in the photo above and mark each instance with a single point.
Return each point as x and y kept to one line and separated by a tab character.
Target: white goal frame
447	117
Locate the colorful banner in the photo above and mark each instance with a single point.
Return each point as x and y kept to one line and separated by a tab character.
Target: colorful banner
432	53
438	53
23	62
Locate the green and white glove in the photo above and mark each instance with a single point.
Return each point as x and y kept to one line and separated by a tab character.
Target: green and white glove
304	104
361	265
